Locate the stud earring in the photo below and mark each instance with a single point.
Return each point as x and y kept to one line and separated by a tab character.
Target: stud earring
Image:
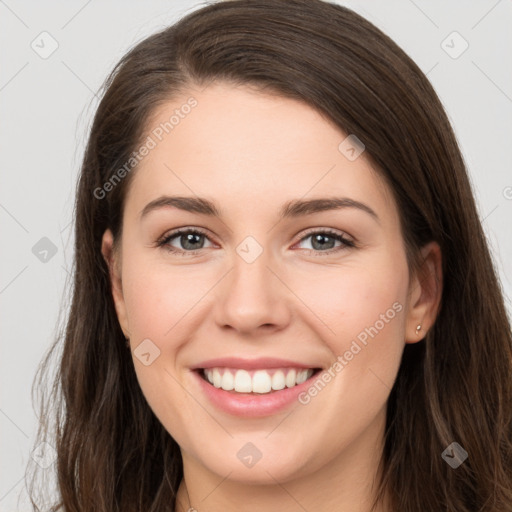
418	328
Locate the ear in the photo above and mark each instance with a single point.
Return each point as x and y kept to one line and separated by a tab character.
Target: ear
111	256
425	292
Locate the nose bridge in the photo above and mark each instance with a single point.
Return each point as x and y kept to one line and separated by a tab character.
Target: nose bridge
252	295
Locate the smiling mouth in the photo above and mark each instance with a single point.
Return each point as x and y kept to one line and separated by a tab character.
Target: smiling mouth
256	381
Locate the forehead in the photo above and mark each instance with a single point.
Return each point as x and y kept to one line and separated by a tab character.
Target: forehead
238	144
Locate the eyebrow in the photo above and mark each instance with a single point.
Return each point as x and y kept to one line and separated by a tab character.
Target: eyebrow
291	209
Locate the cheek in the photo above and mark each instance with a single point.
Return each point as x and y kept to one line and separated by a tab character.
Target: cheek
363	307
158	302
164	306
158	297
358	298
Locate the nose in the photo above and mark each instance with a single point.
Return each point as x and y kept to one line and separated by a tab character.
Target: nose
253	297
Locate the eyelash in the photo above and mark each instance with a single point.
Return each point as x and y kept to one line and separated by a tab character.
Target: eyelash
164	241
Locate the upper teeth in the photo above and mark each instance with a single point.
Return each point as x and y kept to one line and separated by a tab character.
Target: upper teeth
258	381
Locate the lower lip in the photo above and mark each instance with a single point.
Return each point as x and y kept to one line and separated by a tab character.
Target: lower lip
253	404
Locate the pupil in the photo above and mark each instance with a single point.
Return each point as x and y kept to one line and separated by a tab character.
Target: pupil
189	239
318	238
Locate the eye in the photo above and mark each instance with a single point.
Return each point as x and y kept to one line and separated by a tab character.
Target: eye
323	240
190	239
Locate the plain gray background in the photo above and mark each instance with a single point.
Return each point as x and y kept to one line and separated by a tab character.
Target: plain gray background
47	104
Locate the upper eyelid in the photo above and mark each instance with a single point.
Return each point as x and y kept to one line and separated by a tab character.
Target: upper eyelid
340	232
181	231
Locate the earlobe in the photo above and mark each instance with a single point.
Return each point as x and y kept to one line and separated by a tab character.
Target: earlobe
425	294
111	256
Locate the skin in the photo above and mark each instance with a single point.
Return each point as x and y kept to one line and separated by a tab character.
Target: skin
250	153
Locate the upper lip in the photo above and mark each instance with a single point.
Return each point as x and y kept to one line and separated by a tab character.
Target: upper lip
251	364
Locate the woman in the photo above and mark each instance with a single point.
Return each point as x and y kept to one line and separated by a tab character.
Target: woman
283	297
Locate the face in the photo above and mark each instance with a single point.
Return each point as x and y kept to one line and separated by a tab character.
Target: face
264	293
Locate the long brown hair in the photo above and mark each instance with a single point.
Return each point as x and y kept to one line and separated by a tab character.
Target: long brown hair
455	385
